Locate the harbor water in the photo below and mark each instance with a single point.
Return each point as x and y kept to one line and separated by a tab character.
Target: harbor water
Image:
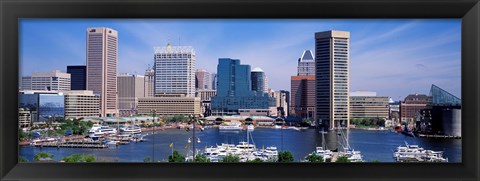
374	145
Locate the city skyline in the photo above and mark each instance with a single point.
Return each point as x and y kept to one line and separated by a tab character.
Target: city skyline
391	57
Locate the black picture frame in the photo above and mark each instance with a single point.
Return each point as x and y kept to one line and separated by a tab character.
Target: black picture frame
12	11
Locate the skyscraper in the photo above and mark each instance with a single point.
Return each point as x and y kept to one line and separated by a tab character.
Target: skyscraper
332	78
54	80
130	88
233	78
102	58
78	76
234	90
149	82
203	79
306	64
175	70
258	80
214	81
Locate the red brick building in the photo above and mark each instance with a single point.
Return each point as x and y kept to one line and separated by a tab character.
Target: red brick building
302	100
412	104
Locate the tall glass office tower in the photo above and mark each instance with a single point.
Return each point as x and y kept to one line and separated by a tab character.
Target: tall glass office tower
175	70
233	79
332	78
234	89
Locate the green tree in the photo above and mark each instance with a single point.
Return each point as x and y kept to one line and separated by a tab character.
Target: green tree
381	122
22	160
285	156
342	159
375	161
374	121
201	159
176	157
147	159
79	158
355	121
22	135
42	155
256	160
231	159
314	158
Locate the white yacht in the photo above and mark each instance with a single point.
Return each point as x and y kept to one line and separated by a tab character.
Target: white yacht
414	153
230	126
352	155
98	131
131	130
244	146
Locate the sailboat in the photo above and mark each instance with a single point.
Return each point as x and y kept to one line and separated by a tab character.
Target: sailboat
322	151
351	154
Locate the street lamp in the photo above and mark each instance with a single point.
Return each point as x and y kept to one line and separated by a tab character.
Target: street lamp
153	111
193	120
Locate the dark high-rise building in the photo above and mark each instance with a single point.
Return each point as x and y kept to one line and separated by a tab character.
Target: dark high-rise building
258	80
78	77
332	59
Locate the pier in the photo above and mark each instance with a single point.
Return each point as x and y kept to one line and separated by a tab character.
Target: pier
439	136
73	144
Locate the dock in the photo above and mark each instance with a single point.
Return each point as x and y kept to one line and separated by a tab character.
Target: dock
73	144
439	136
334	156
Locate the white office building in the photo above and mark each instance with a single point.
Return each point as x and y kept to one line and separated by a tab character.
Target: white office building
175	70
48	81
81	104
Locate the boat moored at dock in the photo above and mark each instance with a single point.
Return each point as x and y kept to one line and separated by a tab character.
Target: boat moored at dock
414	153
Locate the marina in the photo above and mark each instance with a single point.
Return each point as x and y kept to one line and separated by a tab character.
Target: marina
374	145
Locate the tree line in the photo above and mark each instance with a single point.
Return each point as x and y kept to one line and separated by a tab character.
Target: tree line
176	157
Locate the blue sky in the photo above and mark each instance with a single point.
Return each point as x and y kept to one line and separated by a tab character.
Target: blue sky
391	57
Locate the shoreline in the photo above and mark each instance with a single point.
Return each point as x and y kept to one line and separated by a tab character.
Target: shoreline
372	129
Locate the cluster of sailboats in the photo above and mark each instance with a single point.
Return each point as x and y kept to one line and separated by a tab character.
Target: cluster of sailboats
331	155
245	151
414	153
